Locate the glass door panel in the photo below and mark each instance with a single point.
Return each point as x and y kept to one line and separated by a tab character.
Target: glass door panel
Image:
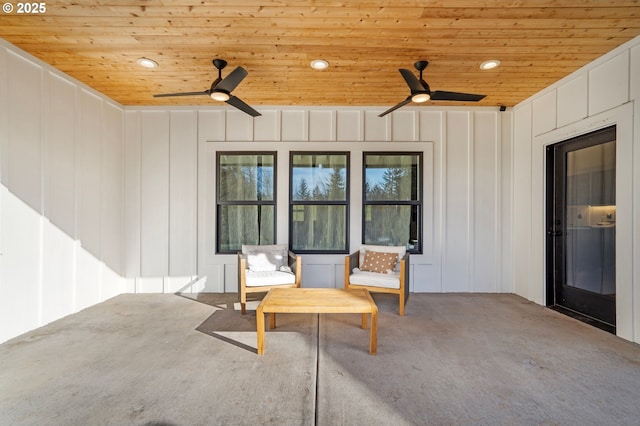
581	223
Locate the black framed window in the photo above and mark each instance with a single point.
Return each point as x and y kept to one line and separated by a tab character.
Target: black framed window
392	199
319	202
246	199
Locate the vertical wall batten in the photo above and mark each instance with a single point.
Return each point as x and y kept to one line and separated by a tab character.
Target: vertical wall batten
154	193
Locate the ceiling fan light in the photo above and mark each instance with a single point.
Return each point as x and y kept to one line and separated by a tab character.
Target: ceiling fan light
220	96
420	97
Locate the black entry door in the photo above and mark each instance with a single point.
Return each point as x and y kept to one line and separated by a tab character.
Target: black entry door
581	224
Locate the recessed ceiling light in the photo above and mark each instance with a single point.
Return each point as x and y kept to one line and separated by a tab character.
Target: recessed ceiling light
319	64
490	64
147	63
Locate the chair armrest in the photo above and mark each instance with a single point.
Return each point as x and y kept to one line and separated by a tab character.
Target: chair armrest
292	260
404	262
404	274
242	268
352	261
295	263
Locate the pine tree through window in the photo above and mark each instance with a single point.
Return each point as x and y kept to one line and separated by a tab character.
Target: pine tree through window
319	202
392	199
246	197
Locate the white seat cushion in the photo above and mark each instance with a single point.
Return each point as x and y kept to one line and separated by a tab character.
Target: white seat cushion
375	279
260	278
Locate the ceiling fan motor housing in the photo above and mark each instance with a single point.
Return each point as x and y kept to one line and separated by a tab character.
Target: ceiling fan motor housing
219	63
421	65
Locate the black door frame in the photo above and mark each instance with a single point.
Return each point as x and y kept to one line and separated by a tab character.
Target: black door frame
554	228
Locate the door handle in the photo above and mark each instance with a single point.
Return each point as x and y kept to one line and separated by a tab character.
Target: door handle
555	233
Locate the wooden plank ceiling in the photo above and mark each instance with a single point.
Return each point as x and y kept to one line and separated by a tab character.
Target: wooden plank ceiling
365	42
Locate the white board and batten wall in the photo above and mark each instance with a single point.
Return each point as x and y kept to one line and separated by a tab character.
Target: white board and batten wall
98	199
170	190
605	92
61	209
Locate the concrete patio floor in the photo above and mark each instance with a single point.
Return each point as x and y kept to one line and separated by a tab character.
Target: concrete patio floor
454	359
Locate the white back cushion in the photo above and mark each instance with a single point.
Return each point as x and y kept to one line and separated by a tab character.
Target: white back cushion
263	258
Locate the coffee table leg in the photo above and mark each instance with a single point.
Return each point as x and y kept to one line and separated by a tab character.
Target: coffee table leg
364	321
373	336
260	329
272	320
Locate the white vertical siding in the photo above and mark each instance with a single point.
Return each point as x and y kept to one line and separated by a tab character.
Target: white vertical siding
21	266
59	167
24	82
572	101
635	256
376	128
183	151
462	228
322	125
350	125
60	199
609	84
544	113
506	220
432	128
60	159
457	203
267	126
486	197
132	216
594	97
89	173
112	188
294	125
522	201
634	74
59	268
239	126
154	193
404	126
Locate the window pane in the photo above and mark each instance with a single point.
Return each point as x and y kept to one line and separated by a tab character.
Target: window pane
393	225
391	177
239	225
246	177
319	177
318	227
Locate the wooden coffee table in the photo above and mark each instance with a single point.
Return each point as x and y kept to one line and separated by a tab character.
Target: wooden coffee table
320	301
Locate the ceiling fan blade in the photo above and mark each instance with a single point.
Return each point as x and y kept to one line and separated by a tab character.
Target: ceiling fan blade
412	81
166	95
393	108
242	106
232	79
440	95
215	83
